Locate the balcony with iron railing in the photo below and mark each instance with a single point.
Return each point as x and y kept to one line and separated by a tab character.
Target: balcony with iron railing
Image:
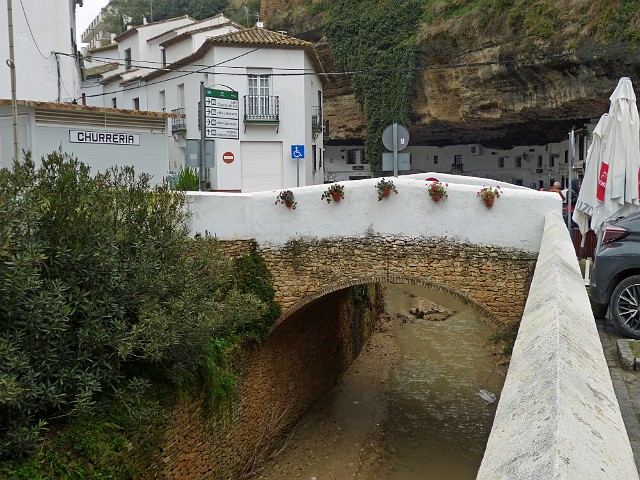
261	109
179	124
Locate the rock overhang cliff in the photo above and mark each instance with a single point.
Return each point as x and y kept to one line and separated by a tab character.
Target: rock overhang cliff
499	72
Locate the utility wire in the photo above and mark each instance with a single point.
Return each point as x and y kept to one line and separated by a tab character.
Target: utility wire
303	72
31	32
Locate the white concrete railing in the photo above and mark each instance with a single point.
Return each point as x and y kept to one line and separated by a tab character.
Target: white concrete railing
558	416
516	220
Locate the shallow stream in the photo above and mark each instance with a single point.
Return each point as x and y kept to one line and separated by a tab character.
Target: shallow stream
408	408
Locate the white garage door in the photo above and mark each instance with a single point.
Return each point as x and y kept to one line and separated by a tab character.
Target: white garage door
261	166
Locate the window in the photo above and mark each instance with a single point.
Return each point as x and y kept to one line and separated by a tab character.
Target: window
314	159
435	159
127	59
163	52
162	100
181	95
552	161
518	162
566	156
351	157
457	160
363	159
114	102
541	184
500	162
517	181
259	94
136	103
539	161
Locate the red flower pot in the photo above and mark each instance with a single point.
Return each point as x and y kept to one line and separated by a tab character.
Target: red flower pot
335	196
489	201
288	203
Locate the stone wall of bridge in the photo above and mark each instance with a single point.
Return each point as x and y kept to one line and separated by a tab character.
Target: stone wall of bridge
277	381
494	280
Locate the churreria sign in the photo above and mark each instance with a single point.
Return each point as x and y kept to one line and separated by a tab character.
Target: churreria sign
107	138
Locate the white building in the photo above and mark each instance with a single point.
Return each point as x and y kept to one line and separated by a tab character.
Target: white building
275	78
533	166
46	60
99	137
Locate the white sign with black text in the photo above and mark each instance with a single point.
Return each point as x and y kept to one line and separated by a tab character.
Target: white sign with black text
104	138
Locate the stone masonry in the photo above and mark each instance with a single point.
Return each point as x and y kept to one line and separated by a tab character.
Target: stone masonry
493	280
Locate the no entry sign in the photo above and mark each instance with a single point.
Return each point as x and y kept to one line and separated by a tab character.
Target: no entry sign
228	157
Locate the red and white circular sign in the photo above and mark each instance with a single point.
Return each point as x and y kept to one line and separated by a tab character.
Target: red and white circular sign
228	157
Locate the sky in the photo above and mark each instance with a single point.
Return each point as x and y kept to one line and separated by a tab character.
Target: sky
86	14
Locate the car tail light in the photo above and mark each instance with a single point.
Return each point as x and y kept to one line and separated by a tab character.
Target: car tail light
611	234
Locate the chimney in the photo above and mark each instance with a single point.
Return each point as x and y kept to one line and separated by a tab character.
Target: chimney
113	37
260	24
144	20
129	27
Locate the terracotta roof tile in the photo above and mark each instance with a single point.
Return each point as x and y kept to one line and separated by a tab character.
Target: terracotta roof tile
100	70
259	36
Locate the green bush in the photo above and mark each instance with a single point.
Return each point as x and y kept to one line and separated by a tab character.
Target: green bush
100	287
187	179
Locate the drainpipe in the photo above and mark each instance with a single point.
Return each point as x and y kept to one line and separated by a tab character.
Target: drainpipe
12	67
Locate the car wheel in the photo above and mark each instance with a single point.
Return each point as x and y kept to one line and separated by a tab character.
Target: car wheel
625	306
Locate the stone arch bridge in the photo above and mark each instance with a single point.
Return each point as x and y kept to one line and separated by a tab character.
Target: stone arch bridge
484	257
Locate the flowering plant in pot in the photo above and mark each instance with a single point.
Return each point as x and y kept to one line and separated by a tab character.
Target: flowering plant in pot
437	191
489	194
285	197
385	187
334	192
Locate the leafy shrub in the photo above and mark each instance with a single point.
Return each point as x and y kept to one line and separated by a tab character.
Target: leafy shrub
100	286
187	179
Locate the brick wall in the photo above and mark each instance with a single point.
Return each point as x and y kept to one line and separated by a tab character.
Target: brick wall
277	381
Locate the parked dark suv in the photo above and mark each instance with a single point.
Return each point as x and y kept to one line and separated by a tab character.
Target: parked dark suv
615	278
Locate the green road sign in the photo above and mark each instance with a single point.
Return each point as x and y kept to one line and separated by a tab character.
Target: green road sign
229	95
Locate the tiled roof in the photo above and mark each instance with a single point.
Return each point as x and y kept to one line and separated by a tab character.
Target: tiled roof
100	70
102	49
132	30
252	37
189	33
86	108
259	36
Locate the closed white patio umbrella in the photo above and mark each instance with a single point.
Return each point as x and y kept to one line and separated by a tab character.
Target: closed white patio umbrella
587	201
617	192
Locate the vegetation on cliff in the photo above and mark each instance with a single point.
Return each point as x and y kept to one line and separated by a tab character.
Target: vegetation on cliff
375	40
103	294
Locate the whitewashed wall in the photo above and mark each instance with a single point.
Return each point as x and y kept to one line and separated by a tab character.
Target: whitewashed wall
516	219
52	23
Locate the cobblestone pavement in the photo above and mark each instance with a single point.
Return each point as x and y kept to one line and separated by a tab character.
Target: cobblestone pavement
626	383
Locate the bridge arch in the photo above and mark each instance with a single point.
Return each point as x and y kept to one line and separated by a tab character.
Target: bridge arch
385	278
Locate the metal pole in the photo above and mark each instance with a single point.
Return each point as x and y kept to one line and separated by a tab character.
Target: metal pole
395	149
570	177
12	66
203	137
297	172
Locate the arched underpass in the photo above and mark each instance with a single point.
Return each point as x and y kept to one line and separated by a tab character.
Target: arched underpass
408	408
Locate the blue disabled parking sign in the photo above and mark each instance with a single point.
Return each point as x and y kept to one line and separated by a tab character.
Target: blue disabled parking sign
297	152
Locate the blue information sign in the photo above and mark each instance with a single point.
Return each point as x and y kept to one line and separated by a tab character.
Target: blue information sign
297	152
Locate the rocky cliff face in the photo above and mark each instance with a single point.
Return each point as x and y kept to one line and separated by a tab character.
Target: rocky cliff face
499	94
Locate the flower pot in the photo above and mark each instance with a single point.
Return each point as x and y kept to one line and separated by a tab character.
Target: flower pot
489	201
288	203
386	191
335	196
436	198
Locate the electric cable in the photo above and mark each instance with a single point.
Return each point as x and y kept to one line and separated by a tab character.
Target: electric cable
31	32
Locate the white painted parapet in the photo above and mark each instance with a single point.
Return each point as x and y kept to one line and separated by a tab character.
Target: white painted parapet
515	221
558	416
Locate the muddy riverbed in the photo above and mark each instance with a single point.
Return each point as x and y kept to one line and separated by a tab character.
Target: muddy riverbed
408	408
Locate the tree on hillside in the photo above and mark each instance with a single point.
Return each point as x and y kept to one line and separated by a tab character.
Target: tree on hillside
131	12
